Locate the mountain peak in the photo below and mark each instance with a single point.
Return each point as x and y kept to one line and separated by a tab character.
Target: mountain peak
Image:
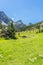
2	12
4	17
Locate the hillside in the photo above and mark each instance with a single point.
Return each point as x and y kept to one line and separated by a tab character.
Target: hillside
35	25
23	51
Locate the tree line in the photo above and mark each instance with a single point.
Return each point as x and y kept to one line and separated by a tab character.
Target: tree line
9	31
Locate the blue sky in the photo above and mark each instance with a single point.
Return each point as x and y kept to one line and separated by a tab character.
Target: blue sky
26	10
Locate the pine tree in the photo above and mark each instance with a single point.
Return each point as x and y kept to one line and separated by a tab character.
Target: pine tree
10	33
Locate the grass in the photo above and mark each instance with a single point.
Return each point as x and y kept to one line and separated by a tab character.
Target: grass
22	51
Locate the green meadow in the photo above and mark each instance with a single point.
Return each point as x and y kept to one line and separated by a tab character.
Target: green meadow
22	51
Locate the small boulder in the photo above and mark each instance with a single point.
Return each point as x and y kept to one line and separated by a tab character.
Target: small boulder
1	56
33	59
41	55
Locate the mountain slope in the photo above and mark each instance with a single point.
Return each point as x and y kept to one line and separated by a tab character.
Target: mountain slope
4	19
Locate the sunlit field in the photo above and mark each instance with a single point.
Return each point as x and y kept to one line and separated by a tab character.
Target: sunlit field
22	51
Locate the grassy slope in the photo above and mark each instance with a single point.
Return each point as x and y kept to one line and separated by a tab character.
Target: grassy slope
20	51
